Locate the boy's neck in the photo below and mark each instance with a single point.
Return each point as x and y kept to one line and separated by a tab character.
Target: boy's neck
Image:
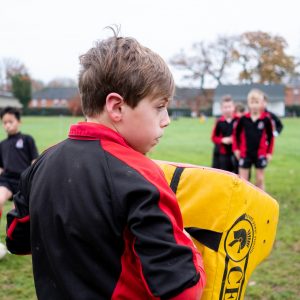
228	118
101	120
12	134
255	116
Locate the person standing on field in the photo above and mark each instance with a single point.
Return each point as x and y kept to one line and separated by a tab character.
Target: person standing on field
96	214
17	152
253	139
223	157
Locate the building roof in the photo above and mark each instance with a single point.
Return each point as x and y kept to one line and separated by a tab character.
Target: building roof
274	92
7	99
56	93
186	93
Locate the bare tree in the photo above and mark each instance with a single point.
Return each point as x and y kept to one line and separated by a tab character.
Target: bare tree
10	67
221	56
195	64
207	61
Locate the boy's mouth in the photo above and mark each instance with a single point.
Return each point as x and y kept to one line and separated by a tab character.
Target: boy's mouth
158	139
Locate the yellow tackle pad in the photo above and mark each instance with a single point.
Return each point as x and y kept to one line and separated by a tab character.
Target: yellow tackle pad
233	224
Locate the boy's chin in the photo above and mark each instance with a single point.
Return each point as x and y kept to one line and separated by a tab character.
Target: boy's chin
148	149
151	149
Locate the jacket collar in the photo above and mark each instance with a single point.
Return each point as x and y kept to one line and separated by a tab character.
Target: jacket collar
95	131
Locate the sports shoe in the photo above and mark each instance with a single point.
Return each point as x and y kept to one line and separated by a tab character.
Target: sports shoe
3	250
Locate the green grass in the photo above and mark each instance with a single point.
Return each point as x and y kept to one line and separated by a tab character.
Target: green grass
188	140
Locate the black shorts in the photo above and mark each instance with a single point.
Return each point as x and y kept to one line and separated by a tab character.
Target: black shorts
228	162
11	184
259	162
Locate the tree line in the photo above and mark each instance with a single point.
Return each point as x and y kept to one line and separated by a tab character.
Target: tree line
251	57
15	78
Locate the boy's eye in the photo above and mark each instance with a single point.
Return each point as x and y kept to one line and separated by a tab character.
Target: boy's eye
161	107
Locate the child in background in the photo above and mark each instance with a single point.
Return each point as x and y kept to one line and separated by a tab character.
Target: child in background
17	152
103	222
277	124
239	109
253	139
222	137
239	112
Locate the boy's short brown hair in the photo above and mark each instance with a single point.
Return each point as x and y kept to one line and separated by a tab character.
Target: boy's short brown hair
226	98
122	65
239	107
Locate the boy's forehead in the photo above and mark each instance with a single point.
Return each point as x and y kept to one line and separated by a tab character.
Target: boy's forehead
227	103
9	115
255	98
160	99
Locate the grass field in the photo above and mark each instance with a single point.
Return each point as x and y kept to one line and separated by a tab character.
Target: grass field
187	140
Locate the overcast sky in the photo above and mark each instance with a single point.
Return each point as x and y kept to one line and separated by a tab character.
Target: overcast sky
48	36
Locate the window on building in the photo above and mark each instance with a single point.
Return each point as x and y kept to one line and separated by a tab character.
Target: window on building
43	102
63	102
56	102
34	102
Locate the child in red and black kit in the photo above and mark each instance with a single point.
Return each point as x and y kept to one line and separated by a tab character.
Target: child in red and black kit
276	122
222	137
103	222
253	139
17	152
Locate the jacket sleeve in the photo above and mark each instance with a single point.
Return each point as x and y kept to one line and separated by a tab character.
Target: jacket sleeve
216	137
278	123
18	221
1	160
169	263
236	135
270	136
32	148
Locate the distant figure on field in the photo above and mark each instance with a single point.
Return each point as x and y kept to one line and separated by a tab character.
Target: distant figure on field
253	138
223	157
202	117
239	109
277	124
17	152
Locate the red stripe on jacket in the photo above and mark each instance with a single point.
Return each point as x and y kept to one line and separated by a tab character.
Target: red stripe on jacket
111	141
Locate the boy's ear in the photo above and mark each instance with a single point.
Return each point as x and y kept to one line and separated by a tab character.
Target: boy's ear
114	103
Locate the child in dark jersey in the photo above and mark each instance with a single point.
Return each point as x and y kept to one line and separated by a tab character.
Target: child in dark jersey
253	139
222	137
17	152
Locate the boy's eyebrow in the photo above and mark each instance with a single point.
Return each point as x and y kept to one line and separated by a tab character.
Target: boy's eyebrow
165	100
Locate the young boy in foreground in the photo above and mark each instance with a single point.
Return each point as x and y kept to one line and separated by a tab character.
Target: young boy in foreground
253	139
17	152
104	222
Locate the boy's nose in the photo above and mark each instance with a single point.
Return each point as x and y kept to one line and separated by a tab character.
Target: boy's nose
166	120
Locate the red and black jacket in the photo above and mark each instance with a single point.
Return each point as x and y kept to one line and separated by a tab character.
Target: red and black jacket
253	138
222	129
102	223
16	154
